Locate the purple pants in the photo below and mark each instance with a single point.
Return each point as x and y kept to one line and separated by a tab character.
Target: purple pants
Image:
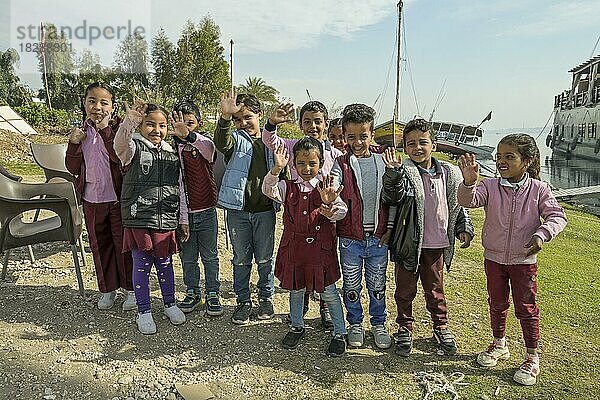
431	272
522	278
142	264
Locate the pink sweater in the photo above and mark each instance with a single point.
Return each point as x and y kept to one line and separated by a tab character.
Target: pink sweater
512	217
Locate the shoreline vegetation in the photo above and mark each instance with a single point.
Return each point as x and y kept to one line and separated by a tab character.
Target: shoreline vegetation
57	345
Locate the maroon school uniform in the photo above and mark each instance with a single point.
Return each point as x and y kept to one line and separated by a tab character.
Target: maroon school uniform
306	257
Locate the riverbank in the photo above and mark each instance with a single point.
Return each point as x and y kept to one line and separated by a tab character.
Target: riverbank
57	345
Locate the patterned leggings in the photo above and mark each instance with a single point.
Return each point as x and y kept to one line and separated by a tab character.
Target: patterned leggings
142	264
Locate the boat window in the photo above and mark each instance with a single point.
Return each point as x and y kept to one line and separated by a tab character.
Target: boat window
592	130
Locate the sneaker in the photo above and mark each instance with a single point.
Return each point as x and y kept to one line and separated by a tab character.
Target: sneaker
107	300
190	302
176	316
145	323
213	304
291	339
445	339
490	357
356	335
528	371
381	336
404	342
241	314
129	303
326	321
337	346
265	309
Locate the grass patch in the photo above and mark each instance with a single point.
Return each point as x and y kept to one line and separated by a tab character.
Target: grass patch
21	168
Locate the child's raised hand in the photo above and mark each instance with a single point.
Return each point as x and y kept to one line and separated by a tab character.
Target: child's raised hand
534	245
327	210
465	239
181	129
136	114
283	113
469	168
390	158
281	157
327	190
103	122
228	104
76	136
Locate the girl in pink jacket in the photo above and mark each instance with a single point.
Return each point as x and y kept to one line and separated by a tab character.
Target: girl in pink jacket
512	236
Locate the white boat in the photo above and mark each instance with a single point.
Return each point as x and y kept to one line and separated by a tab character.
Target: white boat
577	114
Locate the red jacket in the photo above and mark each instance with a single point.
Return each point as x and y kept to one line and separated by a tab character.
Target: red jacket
75	162
352	225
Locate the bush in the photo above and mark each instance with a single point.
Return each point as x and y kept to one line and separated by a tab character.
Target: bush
44	119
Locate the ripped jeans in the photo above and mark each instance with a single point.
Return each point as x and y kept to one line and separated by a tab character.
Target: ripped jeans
357	256
252	236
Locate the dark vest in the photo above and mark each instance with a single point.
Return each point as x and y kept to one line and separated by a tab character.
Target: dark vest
307	257
351	226
150	195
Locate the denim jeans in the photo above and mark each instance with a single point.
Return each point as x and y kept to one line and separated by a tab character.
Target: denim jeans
252	236
357	256
330	296
203	241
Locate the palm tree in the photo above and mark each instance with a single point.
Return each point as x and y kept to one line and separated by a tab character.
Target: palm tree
259	88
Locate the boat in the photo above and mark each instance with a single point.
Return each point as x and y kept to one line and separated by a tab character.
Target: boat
577	114
458	139
385	135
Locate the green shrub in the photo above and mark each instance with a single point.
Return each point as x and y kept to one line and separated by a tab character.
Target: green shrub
44	119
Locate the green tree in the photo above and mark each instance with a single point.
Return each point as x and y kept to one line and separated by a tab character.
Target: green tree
131	68
202	72
91	70
55	61
12	92
163	60
267	94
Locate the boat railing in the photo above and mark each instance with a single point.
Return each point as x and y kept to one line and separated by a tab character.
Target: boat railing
578	100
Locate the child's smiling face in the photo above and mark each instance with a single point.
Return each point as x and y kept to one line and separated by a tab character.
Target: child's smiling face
510	163
98	102
419	146
191	122
359	137
154	127
307	163
336	137
247	120
313	124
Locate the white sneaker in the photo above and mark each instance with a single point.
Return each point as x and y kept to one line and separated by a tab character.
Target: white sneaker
492	354
129	303
176	316
356	335
528	371
381	336
107	300
146	324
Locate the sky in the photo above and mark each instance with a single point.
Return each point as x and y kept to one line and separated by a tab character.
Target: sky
463	57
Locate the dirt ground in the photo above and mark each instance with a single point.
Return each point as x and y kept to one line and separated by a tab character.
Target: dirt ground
57	345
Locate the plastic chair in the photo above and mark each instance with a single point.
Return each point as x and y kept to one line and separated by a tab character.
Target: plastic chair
17	198
51	158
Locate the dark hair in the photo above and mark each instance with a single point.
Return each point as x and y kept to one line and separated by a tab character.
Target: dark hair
188	107
334	123
249	101
308	143
95	85
150	108
313	106
418	124
528	150
358	114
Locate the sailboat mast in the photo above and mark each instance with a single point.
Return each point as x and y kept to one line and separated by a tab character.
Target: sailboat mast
398	69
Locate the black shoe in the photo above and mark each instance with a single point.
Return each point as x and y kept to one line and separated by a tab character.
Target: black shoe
241	314
445	339
337	346
404	342
326	319
265	309
291	339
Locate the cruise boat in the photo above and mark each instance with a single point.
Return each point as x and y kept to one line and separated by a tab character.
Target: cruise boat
577	114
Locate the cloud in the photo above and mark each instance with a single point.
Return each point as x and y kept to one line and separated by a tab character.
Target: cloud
565	16
278	26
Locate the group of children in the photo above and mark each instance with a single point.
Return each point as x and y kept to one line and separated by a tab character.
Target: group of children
145	199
